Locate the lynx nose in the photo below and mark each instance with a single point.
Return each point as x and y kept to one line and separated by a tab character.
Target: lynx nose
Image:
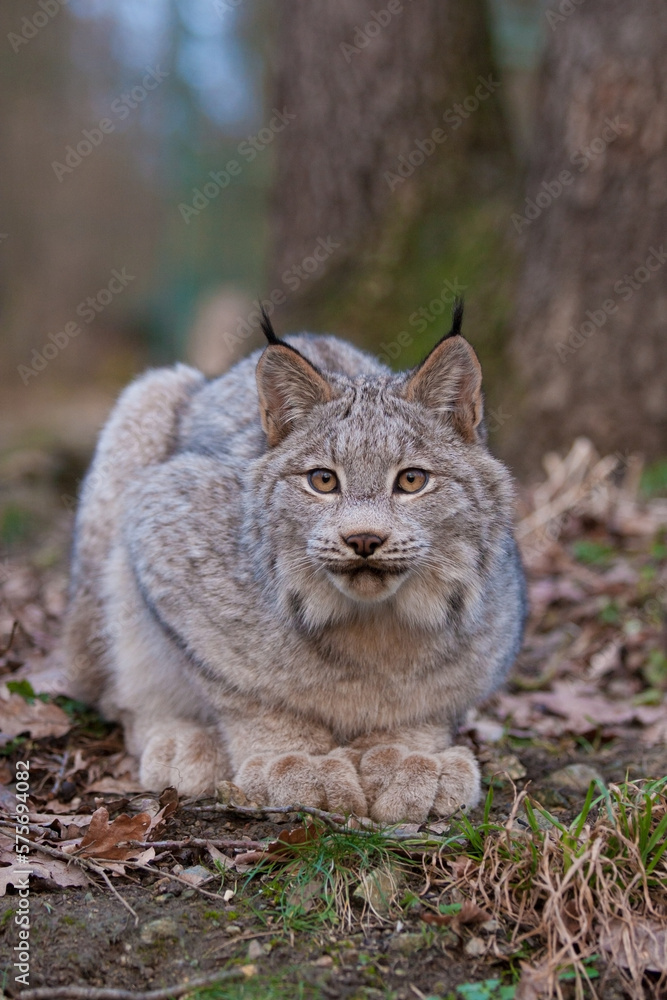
364	545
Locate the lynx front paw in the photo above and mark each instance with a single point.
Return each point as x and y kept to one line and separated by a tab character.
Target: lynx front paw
187	756
325	781
405	786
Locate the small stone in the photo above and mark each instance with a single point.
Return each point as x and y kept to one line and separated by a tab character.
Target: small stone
188	894
255	950
575	777
377	888
507	764
195	875
233	929
323	962
405	944
156	930
475	947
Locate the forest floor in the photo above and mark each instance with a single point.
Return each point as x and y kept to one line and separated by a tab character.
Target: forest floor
555	886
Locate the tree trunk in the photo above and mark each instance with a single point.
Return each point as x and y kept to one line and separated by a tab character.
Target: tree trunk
360	172
590	341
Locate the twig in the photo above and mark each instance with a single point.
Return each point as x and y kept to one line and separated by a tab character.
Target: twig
176	878
175	845
334	821
95	993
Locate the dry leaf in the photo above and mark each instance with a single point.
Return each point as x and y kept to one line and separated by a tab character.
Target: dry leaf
222	859
168	803
115	786
50	869
110	840
535	983
637	945
470	913
39	719
304	896
282	849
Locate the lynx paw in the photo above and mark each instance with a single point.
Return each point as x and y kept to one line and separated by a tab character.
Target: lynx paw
187	756
406	786
326	781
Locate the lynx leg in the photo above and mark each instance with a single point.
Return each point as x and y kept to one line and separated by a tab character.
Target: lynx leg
282	761
186	755
411	774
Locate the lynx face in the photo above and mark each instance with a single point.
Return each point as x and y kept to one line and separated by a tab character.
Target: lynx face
381	491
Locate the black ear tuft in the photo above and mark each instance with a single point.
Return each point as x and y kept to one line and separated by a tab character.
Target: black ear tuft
267	327
457	319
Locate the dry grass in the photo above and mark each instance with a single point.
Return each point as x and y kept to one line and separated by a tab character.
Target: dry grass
595	888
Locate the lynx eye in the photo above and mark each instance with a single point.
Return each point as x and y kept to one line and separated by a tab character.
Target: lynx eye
411	481
323	480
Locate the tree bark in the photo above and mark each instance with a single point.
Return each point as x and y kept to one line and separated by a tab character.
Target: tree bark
590	339
358	164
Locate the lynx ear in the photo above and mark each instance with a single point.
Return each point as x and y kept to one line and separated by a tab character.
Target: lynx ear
449	380
289	387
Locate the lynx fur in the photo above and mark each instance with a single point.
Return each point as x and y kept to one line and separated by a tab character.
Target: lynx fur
317	646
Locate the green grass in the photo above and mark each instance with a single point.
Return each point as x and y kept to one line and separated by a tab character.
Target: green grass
314	884
654	479
592	553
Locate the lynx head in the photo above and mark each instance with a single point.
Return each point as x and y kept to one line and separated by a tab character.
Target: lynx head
377	489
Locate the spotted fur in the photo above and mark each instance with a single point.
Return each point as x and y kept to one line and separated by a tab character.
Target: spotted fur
217	611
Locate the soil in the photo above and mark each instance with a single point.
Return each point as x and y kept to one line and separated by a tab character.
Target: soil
86	936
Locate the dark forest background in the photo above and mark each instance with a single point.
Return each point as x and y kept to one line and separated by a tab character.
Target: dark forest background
167	164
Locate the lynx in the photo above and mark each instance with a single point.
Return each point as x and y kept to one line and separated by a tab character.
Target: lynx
299	576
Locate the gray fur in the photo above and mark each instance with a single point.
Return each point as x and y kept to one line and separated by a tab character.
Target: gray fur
218	613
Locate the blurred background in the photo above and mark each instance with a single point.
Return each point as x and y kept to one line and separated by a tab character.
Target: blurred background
168	165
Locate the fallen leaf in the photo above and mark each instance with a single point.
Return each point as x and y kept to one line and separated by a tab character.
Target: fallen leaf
38	718
282	849
49	818
222	859
54	806
304	896
639	944
470	913
168	803
52	870
115	786
110	840
535	982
